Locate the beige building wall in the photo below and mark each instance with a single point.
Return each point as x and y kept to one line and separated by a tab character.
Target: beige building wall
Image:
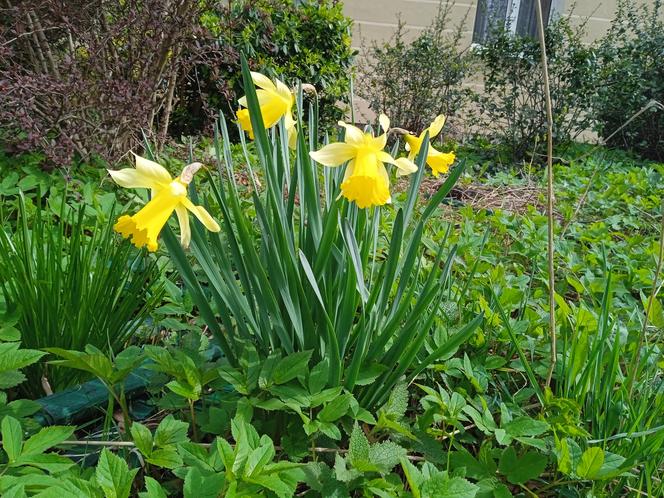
375	20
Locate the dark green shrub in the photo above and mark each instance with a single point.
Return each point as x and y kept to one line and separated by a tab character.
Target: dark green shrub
414	82
633	75
512	110
307	41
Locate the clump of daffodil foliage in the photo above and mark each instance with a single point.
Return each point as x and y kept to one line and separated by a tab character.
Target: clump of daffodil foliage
308	272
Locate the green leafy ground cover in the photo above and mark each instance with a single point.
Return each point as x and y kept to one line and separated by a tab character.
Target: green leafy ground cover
475	423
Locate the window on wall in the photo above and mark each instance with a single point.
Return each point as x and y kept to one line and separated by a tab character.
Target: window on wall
519	16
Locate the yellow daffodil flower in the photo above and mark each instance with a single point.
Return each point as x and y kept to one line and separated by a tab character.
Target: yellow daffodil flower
275	100
366	181
439	162
168	195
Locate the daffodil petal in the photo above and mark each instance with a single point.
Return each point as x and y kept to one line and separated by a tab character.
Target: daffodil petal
262	81
185	229
284	92
384	122
203	216
334	154
152	169
404	166
354	135
147	174
436	126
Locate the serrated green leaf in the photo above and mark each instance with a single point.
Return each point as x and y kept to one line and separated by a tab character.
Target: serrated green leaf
358	447
152	489
11	378
142	437
397	403
12	437
49	462
114	476
200	485
170	431
386	455
13	358
16	491
440	486
166	457
290	367
336	408
47	438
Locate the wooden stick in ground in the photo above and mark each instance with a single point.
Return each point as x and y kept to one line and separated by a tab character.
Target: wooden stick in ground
549	190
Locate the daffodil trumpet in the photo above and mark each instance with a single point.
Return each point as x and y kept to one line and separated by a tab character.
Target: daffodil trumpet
439	162
275	100
168	195
365	181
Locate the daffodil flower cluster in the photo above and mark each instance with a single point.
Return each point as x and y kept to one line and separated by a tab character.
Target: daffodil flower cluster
366	181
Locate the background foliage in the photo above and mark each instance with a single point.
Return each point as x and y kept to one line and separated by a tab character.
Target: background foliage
413	82
632	75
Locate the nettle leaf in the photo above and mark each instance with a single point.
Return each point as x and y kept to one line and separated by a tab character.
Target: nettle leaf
358	447
521	470
397	403
170	431
290	367
590	464
386	455
12	437
441	486
114	476
18	408
47	438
